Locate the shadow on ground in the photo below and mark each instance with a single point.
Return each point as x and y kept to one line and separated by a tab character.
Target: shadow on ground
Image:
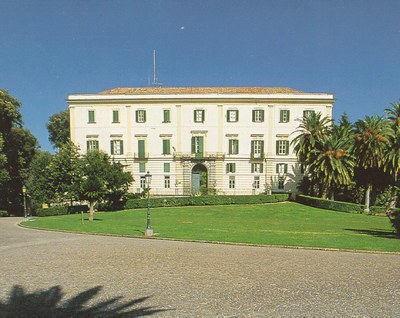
377	233
49	303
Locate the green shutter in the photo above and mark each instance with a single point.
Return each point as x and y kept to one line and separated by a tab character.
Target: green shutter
252	148
141	148
193	144
144	116
115	116
228	119
166	116
261	168
233	167
262	149
288	115
142	167
253	116
277	168
166	167
137	116
277	147
252	168
286	147
194	116
166	146
91	116
227	167
201	143
237	115
203	116
112	147
122	147
286	168
262	115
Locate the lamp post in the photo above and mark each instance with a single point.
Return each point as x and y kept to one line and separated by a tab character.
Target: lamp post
149	229
24	195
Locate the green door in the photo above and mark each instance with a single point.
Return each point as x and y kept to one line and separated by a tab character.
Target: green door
199	179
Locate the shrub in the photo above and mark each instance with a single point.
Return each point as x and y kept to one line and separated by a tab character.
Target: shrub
3	213
206	200
394	217
54	210
329	204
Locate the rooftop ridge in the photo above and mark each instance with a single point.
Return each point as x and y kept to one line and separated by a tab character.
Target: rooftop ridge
199	90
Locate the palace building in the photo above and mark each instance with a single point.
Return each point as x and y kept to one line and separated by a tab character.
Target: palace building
217	140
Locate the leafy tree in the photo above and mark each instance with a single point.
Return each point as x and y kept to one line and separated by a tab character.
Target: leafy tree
65	173
4	174
59	129
101	179
371	138
117	184
9	113
38	179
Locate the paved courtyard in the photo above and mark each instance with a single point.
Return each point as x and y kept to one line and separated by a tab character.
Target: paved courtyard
44	274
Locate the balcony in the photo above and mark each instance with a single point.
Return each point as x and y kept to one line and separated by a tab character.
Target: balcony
199	155
257	156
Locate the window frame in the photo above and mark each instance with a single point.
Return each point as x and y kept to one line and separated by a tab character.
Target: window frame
114	147
167	182
140	116
166	147
233	119
115	116
199	118
231	167
166	115
284	116
258	116
282	144
91	117
233	144
89	145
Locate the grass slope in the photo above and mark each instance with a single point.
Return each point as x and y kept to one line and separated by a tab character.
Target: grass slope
288	224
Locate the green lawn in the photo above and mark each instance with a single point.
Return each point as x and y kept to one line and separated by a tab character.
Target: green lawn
287	224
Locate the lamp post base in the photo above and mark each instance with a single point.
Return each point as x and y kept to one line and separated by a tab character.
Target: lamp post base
148	232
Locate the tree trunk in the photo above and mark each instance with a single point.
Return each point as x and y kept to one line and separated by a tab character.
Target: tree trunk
393	198
367	198
91	210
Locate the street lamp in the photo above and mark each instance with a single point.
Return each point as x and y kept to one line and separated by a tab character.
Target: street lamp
149	229
24	195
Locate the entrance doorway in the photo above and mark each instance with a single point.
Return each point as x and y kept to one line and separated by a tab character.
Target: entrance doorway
199	179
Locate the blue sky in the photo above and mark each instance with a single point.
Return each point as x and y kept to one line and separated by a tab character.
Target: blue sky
52	48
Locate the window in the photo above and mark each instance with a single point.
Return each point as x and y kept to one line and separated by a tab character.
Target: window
258	115
257	148
166	147
256	182
282	147
199	116
307	113
281	184
233	146
141	116
167	116
167	167
92	145
281	168
141	149
91	117
197	145
143	182
142	167
232	182
230	167
115	116
284	116
257	168
167	182
232	116
117	147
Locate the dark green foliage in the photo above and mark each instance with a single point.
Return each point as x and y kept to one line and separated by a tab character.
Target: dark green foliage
394	217
206	200
3	213
58	128
62	210
329	204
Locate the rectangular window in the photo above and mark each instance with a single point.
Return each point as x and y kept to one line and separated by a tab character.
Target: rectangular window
199	116
166	147
141	149
197	146
142	167
232	182
167	182
140	116
233	146
143	182
257	149
167	116
281	168
258	115
307	113
282	147
281	184
232	116
257	168
92	145
230	167
91	118
256	182
284	116
117	147
167	167
115	116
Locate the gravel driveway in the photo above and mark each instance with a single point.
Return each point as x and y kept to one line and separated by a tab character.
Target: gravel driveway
45	274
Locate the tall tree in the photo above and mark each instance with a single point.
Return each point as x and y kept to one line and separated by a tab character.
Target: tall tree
59	129
4	173
371	138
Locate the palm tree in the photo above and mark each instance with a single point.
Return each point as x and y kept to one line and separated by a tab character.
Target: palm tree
333	165
392	153
311	130
371	138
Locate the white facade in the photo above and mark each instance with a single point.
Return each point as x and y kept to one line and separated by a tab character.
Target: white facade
227	140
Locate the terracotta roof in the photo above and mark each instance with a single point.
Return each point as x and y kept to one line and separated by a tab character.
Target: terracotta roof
199	90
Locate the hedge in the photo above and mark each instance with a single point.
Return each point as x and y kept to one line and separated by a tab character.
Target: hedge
62	210
206	200
394	217
329	204
3	213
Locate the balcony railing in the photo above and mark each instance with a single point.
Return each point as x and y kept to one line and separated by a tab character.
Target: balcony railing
199	155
